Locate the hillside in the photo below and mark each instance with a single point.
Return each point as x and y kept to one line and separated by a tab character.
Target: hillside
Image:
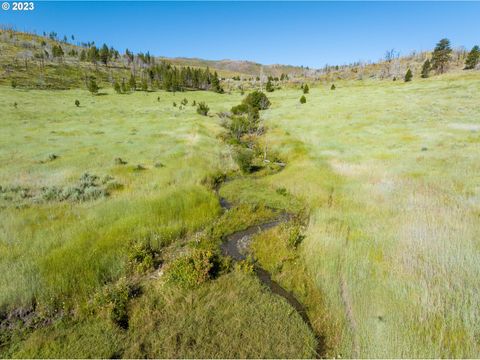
338	220
28	59
24	57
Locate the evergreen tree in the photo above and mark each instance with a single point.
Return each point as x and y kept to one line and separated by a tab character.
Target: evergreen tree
426	69
132	83
144	84
408	75
269	86
104	54
83	55
57	51
473	58
306	89
441	56
124	86
92	86
117	87
216	87
92	54
303	99
332	87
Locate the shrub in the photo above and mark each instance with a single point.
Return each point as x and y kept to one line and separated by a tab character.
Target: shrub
194	269
269	86
295	236
244	158
141	258
88	188
14	84
117	87
77	103
116	297
303	99
184	102
332	87
174	104
426	69
408	75
92	86
306	89
240	109
257	99
194	103
281	191
202	108
245	266
473	58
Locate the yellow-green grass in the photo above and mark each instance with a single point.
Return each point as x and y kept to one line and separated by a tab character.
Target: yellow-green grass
390	172
60	255
232	317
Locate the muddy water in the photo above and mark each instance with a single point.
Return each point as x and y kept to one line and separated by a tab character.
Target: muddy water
236	246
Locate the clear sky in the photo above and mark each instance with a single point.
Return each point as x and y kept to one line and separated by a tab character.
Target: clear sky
298	33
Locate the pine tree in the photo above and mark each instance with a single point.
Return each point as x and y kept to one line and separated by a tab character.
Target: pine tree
144	84
441	56
92	86
92	54
408	75
269	86
473	58
117	87
132	83
426	69
306	89
104	54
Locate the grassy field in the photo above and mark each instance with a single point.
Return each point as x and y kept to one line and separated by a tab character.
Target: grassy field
387	173
390	172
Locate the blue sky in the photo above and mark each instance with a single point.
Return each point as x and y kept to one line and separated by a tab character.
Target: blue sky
298	33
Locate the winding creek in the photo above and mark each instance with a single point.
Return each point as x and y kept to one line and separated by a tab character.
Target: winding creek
236	246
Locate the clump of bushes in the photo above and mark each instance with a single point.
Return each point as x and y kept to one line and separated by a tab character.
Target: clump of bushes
408	75
257	99
202	109
115	298
245	266
142	258
88	188
295	236
303	100
194	269
244	158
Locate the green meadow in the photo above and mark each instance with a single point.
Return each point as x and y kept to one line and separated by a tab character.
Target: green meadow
385	175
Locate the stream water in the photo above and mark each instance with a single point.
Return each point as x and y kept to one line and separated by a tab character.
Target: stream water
236	246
